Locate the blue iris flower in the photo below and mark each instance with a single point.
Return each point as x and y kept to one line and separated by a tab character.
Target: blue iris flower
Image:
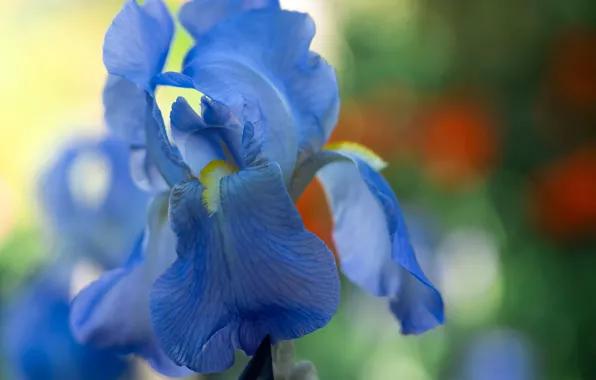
102	226
235	262
97	224
36	338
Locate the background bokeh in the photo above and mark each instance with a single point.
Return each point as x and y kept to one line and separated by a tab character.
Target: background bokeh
486	112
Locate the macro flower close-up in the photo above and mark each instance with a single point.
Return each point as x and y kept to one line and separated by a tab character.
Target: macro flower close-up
295	190
245	266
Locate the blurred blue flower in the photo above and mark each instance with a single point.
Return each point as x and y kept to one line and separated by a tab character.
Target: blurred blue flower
498	355
245	266
92	206
36	339
113	312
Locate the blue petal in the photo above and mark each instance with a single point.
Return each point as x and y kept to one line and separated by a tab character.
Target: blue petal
125	118
373	243
202	139
105	230
35	336
162	154
249	270
173	79
258	63
132	115
197	16
136	45
113	311
144	172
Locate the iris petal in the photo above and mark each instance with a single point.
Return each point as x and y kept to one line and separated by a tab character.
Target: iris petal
120	214
258	63
249	270
376	254
113	311
36	340
197	16
212	136
125	118
136	45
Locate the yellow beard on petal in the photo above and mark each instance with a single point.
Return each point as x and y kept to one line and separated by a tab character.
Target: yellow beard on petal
360	151
210	178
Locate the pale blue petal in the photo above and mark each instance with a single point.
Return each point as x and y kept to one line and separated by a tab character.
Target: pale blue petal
197	16
132	115
136	45
35	339
162	154
125	118
173	79
113	311
372	241
249	270
144	172
103	231
258	64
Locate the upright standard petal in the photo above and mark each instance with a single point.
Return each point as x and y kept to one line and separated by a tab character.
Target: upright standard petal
258	63
246	268
198	16
113	312
211	136
136	45
371	237
125	107
135	49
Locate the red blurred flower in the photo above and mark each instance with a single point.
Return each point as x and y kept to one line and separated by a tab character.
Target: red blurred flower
458	141
573	68
566	107
563	198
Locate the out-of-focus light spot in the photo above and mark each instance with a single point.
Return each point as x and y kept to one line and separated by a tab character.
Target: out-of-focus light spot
84	273
458	141
145	372
432	346
499	355
380	122
388	364
7	221
370	316
470	275
563	200
326	15
89	179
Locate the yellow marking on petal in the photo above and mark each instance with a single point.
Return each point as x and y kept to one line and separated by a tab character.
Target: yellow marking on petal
360	151
210	178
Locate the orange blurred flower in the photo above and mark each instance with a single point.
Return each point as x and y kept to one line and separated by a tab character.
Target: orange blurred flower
379	123
563	198
458	141
316	215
